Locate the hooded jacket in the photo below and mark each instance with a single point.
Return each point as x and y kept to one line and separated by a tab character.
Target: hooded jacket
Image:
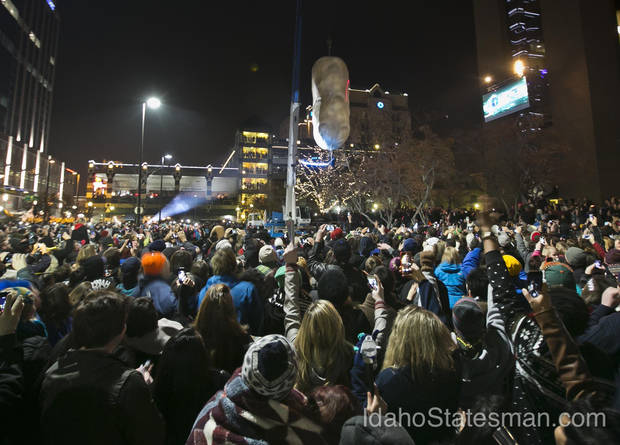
452	277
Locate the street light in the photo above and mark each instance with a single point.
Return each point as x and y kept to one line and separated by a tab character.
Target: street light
153	103
488	79
519	67
161	183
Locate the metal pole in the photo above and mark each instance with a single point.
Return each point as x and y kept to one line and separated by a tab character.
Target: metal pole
290	210
47	188
161	187
77	187
139	200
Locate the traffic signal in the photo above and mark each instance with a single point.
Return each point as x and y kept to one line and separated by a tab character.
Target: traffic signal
330	102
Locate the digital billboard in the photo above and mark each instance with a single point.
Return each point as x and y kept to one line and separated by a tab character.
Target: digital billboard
506	100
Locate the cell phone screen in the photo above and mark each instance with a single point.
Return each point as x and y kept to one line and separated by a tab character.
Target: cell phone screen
182	275
535	281
373	282
2	302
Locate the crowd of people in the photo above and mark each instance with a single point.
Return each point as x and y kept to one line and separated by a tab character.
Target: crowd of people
114	333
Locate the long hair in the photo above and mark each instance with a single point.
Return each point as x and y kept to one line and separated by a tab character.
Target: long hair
421	341
323	354
217	321
85	252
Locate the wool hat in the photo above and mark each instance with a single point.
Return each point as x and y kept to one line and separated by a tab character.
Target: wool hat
270	367
472	241
559	274
279	242
535	237
229	232
342	250
410	245
513	265
576	257
613	256
153	263
503	239
131	266
223	244
267	255
469	321
157	246
395	264
337	233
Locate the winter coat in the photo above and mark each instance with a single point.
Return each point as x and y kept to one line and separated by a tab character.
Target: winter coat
454	280
159	291
247	302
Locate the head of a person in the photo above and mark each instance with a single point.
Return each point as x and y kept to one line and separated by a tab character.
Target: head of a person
155	264
201	270
342	251
371	263
182	371
386	276
267	255
186	294
93	267
141	318
469	322
129	272
558	274
334	404
100	320
477	283
85	252
320	344
79	293
181	259
217	314
270	367
333	287
571	308
576	428
421	341
55	304
594	288
112	257
450	256
224	262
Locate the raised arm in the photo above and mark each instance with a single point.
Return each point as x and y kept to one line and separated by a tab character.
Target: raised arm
292	285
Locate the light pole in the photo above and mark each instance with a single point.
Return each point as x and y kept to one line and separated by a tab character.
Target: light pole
77	185
50	161
153	103
161	183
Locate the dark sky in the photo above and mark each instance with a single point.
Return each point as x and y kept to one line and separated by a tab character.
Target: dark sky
196	56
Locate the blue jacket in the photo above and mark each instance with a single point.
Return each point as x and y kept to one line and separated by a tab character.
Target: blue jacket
245	298
471	261
454	280
159	291
133	292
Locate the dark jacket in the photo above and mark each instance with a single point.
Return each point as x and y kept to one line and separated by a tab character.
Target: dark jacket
90	396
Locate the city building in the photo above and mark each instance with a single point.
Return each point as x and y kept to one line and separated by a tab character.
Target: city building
29	32
568	51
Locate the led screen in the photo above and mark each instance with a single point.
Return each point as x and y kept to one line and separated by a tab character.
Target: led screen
505	100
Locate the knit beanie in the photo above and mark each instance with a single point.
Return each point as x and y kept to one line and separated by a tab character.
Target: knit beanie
267	255
223	244
153	263
410	245
503	239
469	321
270	367
157	246
559	274
576	257
337	233
513	265
279	242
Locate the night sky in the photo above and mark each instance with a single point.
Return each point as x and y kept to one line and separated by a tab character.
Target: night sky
197	56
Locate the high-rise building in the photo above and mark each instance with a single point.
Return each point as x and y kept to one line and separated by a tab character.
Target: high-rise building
569	54
28	50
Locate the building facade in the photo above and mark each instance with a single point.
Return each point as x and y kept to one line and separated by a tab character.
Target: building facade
568	52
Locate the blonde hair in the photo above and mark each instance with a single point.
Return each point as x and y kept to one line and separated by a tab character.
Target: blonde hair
86	252
421	341
450	255
321	347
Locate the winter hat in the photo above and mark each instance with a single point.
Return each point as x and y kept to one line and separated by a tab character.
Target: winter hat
279	242
559	274
337	233
131	266
472	241
229	232
153	263
535	237
613	257
395	264
432	241
367	245
342	250
223	244
469	322
513	265
503	239
270	367
157	246
218	231
359	431
410	245
576	257
267	255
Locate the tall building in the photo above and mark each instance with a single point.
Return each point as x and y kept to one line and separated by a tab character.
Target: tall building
569	53
29	32
28	50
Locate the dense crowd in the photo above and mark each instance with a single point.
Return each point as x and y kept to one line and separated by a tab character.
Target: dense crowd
113	333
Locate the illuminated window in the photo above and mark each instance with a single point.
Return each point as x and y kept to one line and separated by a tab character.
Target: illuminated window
253	136
255	152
